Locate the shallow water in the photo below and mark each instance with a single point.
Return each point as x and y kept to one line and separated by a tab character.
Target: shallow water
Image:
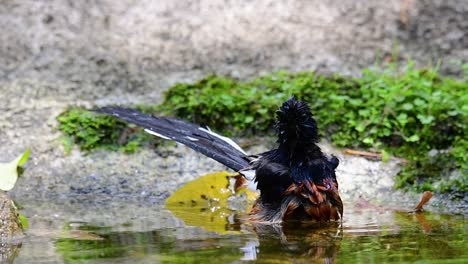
127	234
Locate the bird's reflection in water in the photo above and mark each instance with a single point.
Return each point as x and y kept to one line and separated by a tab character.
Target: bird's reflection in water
282	243
297	241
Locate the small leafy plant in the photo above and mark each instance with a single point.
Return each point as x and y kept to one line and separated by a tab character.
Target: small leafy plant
90	130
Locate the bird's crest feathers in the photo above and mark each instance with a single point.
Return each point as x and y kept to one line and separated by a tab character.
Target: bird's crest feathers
294	122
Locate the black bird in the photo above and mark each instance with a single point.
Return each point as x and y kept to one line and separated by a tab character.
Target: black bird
296	180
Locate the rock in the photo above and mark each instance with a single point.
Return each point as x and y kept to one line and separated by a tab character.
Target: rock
11	230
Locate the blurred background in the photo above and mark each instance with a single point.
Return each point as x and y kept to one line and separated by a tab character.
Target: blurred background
125	47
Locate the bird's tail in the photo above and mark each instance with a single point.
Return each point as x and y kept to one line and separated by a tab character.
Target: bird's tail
203	140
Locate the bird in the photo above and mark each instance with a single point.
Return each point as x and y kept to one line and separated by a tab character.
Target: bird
296	180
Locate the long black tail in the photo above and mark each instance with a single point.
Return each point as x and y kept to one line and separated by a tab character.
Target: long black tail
202	140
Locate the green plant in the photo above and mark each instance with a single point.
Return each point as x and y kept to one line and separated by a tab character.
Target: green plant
91	130
247	107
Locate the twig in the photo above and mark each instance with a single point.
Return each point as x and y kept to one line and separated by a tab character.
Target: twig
426	196
370	154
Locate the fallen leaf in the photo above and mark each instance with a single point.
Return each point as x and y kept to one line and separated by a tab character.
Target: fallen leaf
203	202
209	190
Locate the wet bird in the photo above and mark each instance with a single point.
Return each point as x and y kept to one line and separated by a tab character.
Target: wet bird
296	180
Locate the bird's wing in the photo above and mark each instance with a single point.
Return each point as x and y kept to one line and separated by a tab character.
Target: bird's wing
317	186
205	141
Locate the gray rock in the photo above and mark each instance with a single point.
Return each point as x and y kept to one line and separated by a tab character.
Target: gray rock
11	230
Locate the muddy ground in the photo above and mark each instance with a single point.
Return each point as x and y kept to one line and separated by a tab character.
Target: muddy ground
55	54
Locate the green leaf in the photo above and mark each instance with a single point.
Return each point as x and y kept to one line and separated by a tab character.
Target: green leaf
360	127
364	112
249	119
407	106
425	120
385	156
24	157
9	171
23	220
413	138
419	102
402	118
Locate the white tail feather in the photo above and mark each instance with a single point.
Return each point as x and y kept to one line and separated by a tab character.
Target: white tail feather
156	134
225	139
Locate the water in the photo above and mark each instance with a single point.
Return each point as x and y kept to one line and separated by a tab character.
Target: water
133	233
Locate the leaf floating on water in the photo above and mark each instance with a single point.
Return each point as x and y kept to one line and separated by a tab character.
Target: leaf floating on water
204	202
215	219
209	190
9	171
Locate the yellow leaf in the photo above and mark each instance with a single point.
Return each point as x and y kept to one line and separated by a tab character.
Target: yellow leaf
209	190
215	219
204	202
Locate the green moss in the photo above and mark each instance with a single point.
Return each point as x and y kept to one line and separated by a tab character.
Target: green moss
91	130
246	107
406	113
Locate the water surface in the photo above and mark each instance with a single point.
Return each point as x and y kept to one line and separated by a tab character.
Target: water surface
153	234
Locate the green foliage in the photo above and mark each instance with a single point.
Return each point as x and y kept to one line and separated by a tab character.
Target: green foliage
91	130
413	113
23	220
245	107
407	113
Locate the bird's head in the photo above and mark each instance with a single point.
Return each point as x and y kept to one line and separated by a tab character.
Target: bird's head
294	123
